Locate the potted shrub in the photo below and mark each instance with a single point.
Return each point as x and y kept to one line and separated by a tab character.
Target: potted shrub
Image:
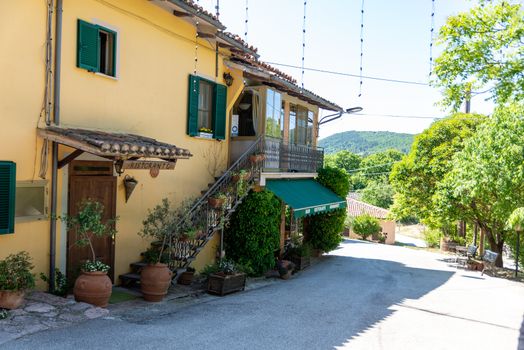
186	278
225	278
93	286
155	277
217	200
285	269
15	279
257	157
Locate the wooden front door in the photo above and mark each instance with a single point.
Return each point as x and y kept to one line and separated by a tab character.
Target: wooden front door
101	188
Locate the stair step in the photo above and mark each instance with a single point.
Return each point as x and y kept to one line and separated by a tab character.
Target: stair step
137	266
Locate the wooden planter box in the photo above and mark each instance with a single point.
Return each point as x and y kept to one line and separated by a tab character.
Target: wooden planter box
186	278
225	284
301	262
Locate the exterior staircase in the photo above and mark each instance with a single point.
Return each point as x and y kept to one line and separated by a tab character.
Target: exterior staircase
207	219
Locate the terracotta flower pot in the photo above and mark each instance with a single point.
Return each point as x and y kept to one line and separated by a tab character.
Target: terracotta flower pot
256	158
11	299
244	177
93	288
216	202
155	280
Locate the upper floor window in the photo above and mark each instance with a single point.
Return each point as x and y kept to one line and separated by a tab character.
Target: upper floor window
206	107
292	123
274	117
96	48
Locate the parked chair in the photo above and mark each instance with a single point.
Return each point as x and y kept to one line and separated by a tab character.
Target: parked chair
489	259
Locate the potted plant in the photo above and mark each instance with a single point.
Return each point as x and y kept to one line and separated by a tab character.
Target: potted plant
217	200
60	283
300	255
155	277
15	279
224	278
285	269
205	133
93	286
257	157
242	174
186	277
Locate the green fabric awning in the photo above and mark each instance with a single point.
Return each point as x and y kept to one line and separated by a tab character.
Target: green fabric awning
305	196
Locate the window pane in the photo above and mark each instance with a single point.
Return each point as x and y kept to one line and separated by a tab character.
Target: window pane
292	123
205	103
277	115
301	126
311	116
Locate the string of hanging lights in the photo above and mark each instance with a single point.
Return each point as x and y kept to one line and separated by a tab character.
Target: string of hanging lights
303	44
361	45
196	47
246	22
432	37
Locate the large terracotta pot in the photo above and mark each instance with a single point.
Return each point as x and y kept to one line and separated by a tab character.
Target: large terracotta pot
154	281
11	299
93	288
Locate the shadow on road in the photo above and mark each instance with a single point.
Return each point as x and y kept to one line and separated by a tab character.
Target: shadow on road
521	338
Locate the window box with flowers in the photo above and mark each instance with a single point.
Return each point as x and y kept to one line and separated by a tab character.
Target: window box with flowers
205	133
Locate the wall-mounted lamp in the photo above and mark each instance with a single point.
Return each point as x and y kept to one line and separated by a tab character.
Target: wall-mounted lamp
118	166
129	185
228	79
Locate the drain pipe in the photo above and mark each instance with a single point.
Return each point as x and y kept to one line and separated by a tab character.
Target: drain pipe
56	120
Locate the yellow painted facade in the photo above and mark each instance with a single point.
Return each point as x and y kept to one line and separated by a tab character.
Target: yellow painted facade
155	56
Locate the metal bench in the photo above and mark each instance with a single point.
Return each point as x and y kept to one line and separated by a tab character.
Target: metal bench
489	259
463	256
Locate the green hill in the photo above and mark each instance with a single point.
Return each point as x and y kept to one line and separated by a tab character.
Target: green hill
366	142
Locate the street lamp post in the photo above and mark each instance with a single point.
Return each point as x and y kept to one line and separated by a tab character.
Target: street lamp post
331	117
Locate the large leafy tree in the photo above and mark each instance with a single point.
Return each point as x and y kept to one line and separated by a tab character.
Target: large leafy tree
486	183
377	166
416	176
343	160
483	50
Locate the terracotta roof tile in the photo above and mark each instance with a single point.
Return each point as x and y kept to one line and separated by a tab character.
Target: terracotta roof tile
356	208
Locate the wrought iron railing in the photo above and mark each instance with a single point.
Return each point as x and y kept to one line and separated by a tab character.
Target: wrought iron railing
282	156
205	217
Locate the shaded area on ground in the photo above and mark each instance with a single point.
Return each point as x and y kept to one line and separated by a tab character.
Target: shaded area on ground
325	306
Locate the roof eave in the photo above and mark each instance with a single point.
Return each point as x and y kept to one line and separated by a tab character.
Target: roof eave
229	41
189	9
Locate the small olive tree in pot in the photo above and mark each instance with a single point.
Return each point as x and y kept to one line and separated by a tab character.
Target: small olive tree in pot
93	286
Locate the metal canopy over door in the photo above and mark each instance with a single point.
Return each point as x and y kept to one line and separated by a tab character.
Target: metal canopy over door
97	185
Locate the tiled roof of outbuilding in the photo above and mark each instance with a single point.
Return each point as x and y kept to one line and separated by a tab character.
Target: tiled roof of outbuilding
356	208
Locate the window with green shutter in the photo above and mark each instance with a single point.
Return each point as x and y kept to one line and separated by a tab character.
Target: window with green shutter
96	48
206	107
7	196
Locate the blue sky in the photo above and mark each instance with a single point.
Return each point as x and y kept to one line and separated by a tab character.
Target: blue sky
396	46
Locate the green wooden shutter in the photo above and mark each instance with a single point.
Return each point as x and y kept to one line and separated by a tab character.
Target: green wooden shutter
7	196
219	112
87	46
192	105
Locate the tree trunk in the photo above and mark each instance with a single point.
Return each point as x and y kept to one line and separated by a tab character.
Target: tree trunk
497	248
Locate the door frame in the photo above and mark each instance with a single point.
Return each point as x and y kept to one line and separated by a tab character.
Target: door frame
96	174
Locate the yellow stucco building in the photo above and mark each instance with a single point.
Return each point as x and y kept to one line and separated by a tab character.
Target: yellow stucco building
95	92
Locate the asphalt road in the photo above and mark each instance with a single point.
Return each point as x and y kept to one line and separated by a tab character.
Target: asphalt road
362	296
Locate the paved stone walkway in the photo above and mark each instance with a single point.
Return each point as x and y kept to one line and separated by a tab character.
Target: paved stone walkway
43	311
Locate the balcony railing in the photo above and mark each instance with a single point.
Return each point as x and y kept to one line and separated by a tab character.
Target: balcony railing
281	156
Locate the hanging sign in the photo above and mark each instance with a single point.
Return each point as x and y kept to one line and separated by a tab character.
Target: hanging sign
234	125
148	165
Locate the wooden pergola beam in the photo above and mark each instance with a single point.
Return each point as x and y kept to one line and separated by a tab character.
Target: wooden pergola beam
62	163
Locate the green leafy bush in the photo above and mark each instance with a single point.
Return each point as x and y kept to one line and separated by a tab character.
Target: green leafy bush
337	180
432	237
15	272
366	225
253	234
323	230
61	286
